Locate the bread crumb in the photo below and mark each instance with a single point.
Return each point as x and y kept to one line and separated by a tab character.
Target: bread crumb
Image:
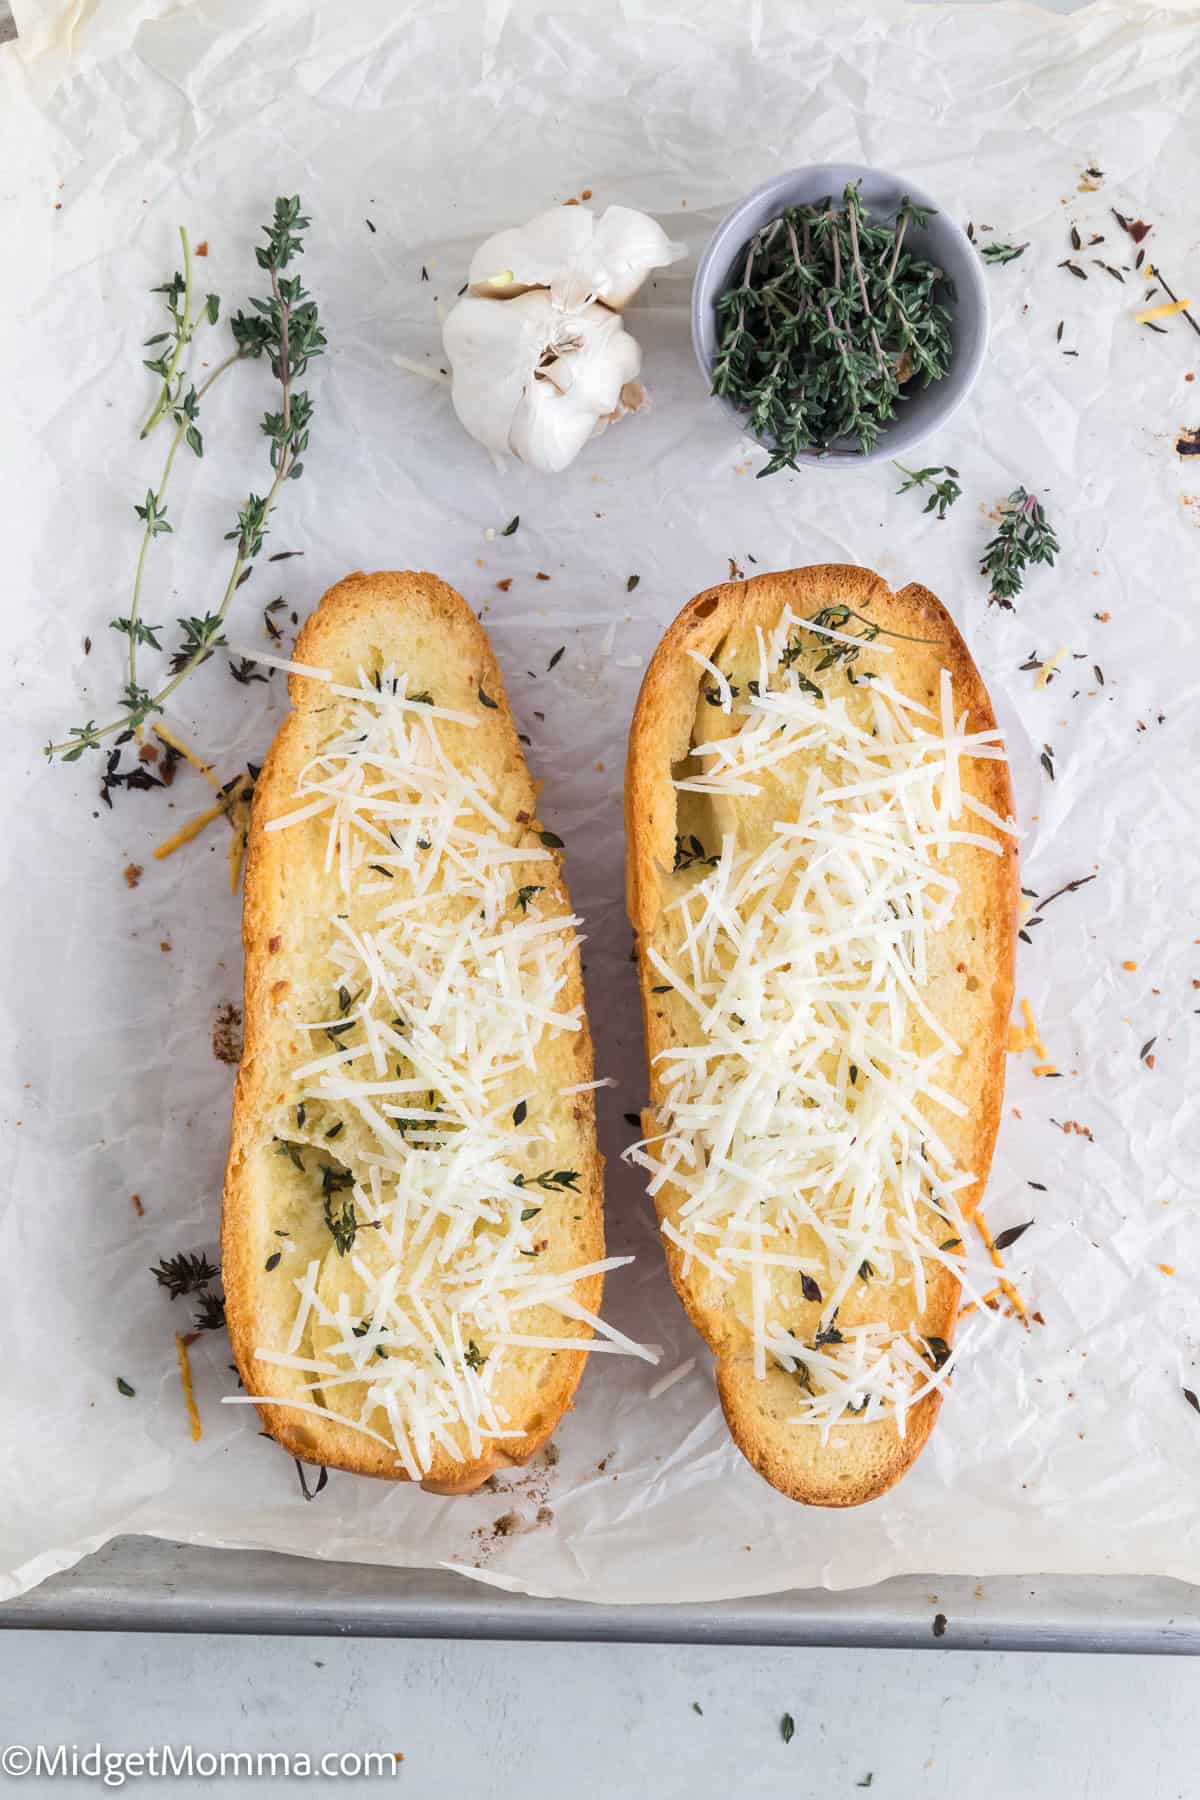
505	584
133	874
135	1201
164	945
202	247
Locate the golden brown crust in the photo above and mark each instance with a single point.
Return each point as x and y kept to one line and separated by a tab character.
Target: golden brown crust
365	619
974	992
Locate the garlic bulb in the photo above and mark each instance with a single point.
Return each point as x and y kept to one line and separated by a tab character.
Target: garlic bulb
539	354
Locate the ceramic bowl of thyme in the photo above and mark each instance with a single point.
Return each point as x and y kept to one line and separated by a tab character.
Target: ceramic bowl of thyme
840	315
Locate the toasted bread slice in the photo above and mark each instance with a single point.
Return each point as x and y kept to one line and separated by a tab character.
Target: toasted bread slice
398	1218
778	1380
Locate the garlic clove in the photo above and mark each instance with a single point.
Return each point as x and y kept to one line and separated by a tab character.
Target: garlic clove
627	247
578	257
532	255
493	350
576	388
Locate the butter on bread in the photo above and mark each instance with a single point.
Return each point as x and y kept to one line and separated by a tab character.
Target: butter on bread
413	1245
822	876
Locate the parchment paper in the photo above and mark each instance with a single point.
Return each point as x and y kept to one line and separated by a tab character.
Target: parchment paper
1068	1448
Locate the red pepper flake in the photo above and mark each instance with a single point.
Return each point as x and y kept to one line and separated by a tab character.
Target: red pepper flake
274	944
586	194
542	576
505	584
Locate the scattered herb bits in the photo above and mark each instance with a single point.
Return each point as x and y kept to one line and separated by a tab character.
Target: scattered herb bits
787	1728
942	494
830	316
1025	536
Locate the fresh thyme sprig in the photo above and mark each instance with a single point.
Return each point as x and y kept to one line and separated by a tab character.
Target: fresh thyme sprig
829	320
944	493
285	327
177	298
1025	536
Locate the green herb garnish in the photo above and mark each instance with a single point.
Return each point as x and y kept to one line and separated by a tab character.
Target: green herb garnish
524	895
184	1274
123	1387
1002	253
1025	536
342	1223
690	853
830	318
787	1728
211	1313
944	493
286	329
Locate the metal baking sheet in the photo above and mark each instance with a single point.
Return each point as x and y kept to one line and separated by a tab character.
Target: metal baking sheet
146	1584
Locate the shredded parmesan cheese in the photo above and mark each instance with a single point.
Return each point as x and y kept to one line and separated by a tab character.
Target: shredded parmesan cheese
1052	663
181	749
800	1098
187	832
1166	311
440	1273
189	1393
281	662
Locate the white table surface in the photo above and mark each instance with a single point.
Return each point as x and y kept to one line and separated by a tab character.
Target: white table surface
617	1722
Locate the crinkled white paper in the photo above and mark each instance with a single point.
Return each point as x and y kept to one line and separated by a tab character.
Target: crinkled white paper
1069	1448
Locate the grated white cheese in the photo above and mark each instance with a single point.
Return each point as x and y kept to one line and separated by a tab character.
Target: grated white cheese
668	1381
798	1118
281	662
439	1173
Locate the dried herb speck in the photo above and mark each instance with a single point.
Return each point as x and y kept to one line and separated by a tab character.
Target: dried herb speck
1004	1240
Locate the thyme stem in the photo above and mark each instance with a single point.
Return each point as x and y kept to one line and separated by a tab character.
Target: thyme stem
135	604
184	336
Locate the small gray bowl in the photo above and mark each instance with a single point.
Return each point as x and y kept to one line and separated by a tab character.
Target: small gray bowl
941	242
